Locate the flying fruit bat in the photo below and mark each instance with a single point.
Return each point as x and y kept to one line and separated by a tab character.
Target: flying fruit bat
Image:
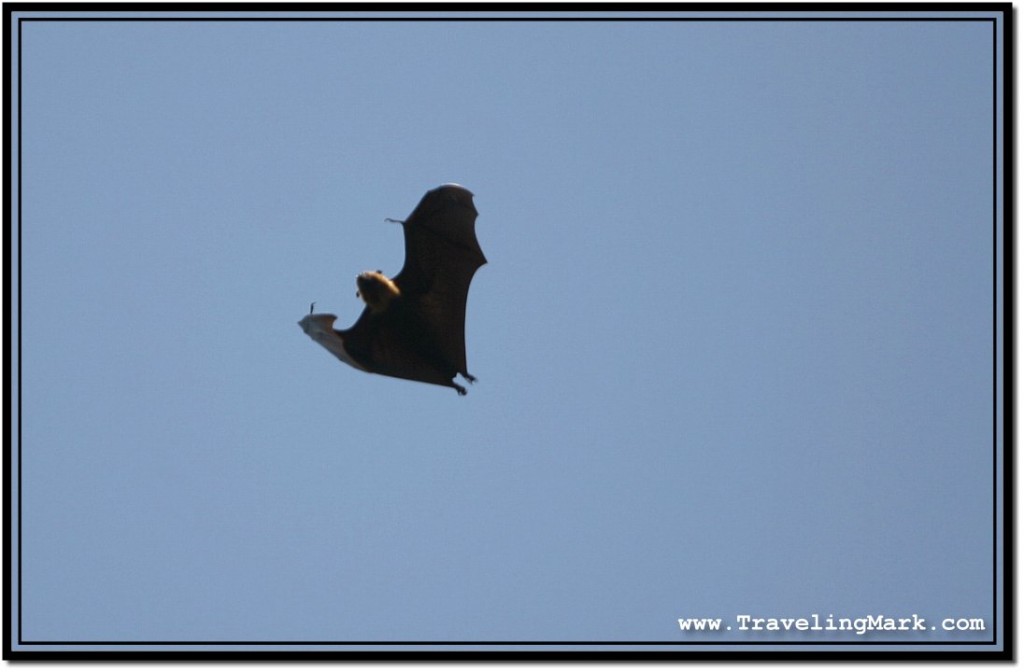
414	325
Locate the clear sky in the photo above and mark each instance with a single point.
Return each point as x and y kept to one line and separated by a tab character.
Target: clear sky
734	343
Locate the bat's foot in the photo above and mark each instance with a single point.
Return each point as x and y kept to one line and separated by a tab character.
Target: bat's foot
459	388
469	378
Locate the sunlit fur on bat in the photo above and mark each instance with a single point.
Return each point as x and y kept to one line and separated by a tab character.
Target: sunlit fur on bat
414	325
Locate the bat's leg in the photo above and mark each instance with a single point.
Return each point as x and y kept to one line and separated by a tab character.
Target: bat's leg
459	388
469	378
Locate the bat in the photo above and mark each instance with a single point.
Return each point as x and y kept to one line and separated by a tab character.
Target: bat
414	325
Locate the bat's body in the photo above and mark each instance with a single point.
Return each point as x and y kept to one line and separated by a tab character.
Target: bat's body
413	326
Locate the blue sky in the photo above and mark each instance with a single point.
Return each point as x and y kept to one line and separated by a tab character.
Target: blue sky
734	343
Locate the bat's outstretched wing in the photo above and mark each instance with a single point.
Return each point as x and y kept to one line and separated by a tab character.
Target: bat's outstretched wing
441	256
393	343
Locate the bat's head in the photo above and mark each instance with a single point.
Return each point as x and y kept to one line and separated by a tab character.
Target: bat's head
320	327
376	289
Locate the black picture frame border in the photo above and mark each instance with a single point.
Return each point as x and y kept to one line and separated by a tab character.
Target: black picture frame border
1003	520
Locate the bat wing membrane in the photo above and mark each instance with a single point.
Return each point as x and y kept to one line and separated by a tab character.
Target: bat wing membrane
391	343
441	255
